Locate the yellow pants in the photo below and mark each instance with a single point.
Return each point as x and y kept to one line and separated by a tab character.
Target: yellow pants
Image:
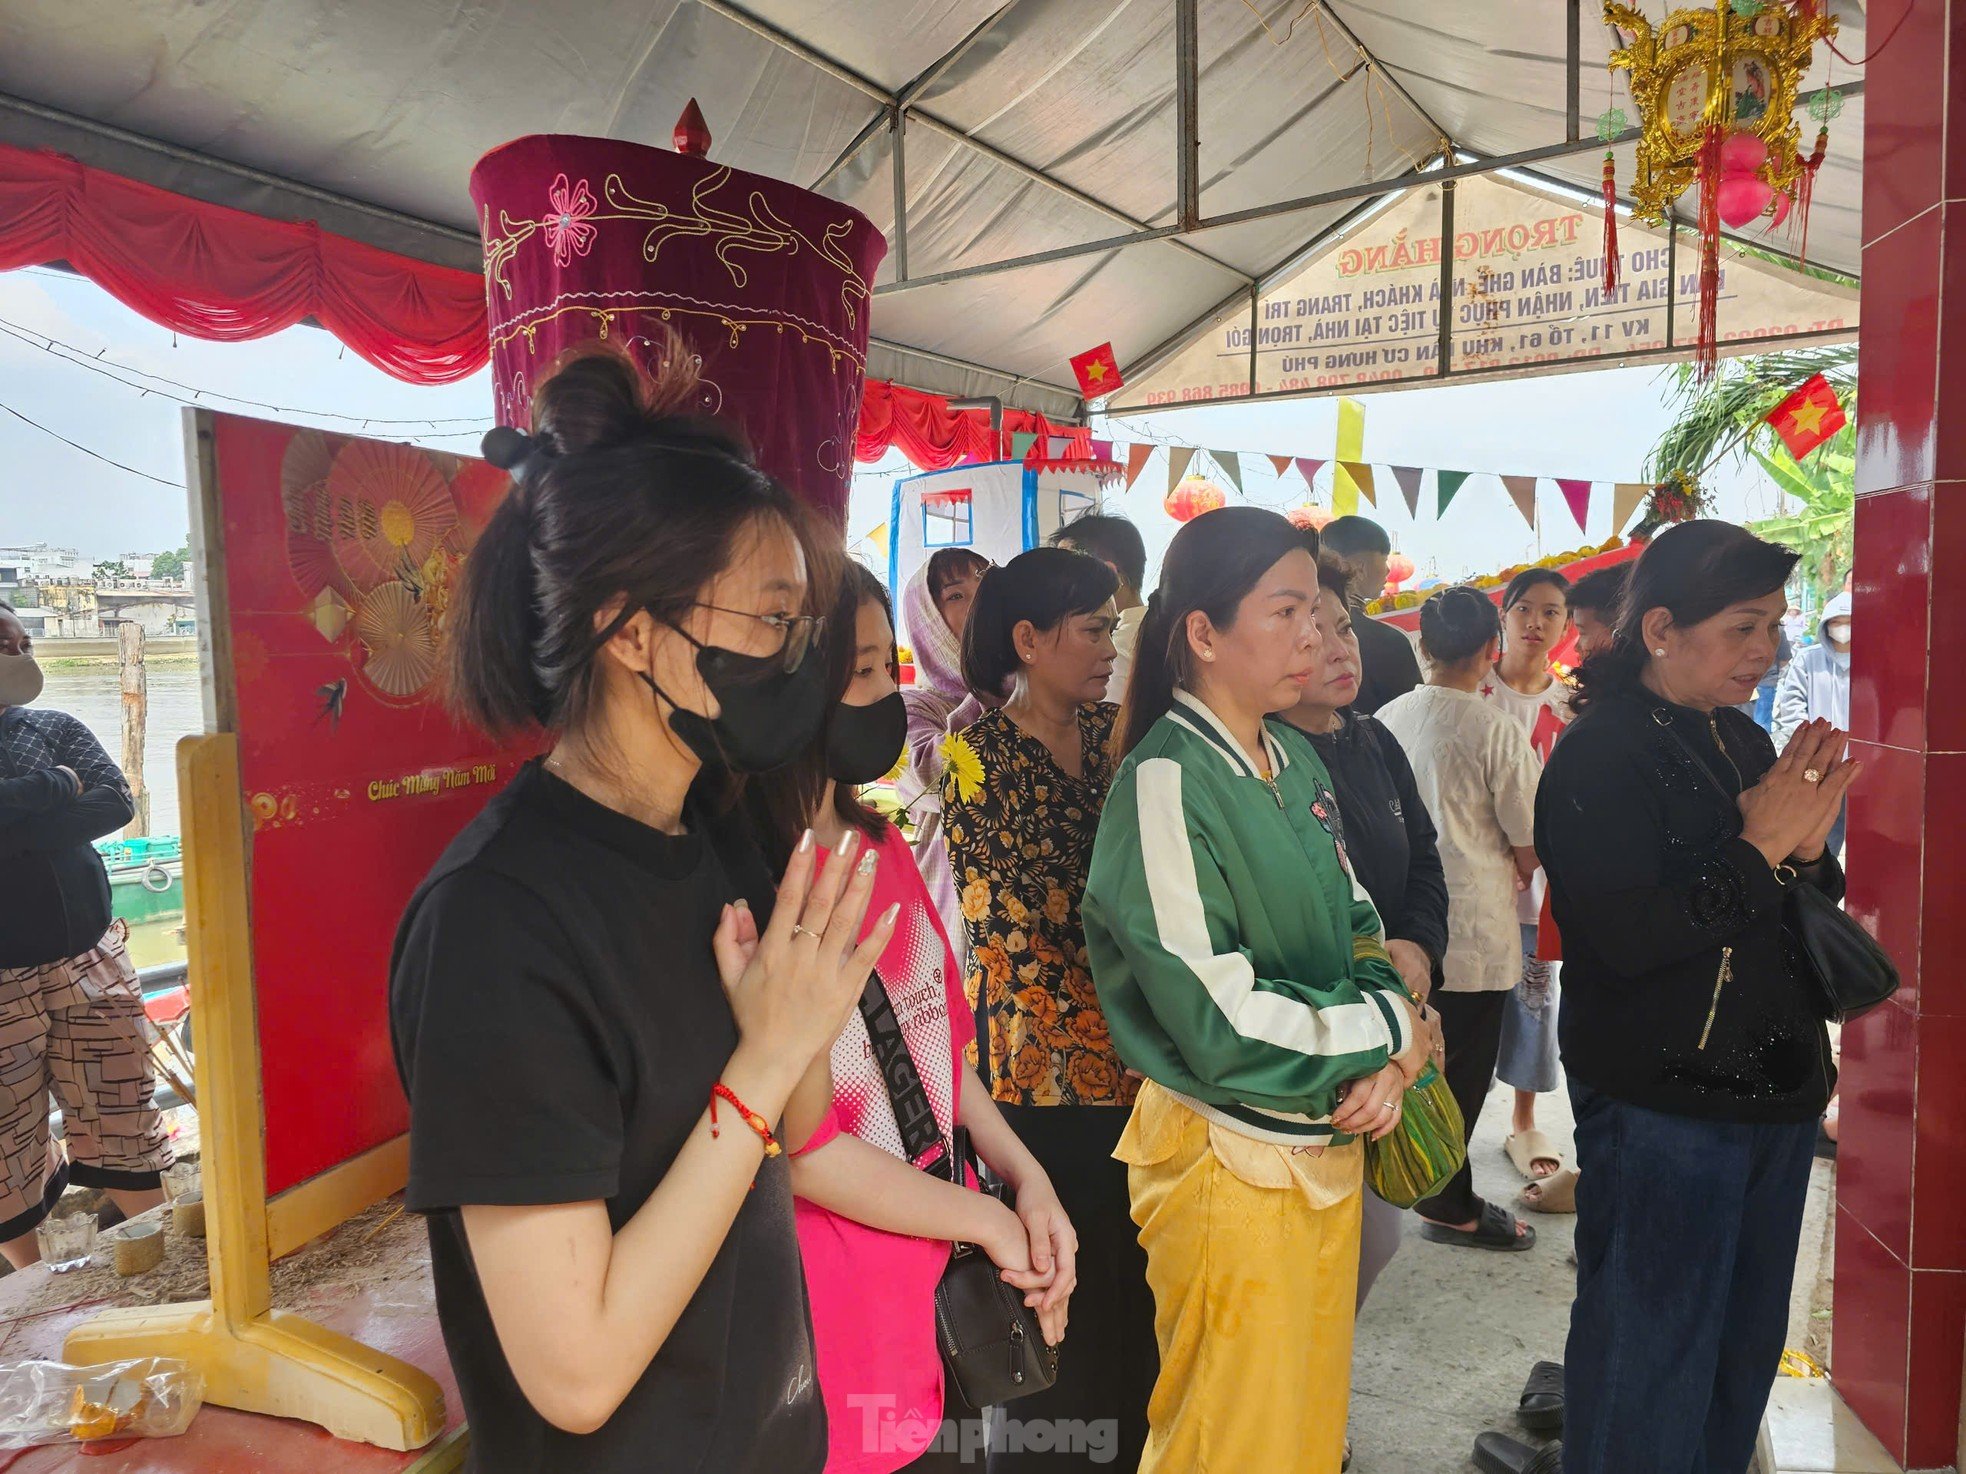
1252	1252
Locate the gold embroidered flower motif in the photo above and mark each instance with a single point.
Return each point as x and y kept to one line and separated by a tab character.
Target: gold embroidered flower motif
963	765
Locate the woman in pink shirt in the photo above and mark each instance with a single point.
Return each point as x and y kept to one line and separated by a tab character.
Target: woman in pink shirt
875	1228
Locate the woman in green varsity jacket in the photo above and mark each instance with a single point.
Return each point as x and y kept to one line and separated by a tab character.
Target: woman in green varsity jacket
1242	971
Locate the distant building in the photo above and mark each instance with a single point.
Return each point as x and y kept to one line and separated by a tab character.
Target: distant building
20	565
69	609
138	564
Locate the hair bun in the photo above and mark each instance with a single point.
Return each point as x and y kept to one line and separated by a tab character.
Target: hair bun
507	448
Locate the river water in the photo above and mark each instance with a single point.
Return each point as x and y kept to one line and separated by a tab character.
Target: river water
94	695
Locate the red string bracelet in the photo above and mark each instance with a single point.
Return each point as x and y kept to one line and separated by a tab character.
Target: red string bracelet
751	1118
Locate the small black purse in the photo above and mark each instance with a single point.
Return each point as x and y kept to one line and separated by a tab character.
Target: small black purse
992	1346
1851	972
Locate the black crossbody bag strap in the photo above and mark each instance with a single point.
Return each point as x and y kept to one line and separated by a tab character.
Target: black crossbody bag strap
912	1112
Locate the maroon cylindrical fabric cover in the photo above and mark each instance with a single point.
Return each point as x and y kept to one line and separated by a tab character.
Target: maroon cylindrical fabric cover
771	284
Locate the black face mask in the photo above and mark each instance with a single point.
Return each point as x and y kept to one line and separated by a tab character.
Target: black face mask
767	715
864	742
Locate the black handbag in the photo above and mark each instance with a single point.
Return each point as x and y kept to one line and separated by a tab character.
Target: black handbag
1851	973
992	1346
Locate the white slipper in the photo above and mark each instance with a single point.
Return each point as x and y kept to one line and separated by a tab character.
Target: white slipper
1526	1148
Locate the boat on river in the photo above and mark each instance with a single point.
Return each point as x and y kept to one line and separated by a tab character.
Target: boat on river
146	892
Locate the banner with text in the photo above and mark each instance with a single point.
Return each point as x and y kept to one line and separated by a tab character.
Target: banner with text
1527	291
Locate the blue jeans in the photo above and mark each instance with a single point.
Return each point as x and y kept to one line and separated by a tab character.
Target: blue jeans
1764	706
1686	1244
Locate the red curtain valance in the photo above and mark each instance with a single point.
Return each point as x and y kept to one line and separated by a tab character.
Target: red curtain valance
213	272
209	271
933	436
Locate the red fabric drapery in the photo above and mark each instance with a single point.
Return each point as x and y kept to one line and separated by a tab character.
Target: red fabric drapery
213	272
935	437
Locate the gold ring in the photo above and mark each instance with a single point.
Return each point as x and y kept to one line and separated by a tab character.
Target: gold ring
1810	775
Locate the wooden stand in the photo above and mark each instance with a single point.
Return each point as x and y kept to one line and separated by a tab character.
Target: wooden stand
252	1356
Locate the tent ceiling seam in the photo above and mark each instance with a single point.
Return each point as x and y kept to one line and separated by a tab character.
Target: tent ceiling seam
792	46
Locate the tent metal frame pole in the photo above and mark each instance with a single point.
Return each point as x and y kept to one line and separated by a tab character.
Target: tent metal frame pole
1367	190
1444	343
847	155
898	118
1573	83
840	72
1187	113
1384	72
967	366
1255	304
1672	272
160	149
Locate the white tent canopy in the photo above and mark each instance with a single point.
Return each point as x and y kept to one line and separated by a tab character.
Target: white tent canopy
1026	127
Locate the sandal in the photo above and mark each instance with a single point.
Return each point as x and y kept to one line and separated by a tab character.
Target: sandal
1495	1229
1540	1408
1554	1194
1497	1453
1527	1148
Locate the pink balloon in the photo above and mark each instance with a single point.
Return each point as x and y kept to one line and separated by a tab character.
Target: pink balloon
1742	153
1742	198
1782	203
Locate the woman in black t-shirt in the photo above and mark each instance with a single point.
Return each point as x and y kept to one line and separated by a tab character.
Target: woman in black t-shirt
598	1026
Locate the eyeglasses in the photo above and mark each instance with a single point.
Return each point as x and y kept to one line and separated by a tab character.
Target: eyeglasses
798	633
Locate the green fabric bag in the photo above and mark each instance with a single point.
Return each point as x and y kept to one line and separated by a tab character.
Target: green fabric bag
1415	1161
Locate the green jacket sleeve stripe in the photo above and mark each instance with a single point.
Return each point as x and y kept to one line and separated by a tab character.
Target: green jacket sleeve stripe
1328	1021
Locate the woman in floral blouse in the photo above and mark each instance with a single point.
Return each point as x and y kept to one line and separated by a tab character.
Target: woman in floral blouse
1021	797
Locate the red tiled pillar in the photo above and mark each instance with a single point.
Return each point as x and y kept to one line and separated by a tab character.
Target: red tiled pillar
1901	1178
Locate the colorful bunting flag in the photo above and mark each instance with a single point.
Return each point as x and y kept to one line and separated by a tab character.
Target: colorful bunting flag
1523	490
1361	477
1578	495
1446	483
1137	457
1309	467
1231	465
1281	463
1102	450
1626	498
1178	457
878	538
1020	445
1408	478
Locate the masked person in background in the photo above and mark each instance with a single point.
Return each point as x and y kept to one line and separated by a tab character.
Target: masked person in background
600	1013
879	1202
71	1012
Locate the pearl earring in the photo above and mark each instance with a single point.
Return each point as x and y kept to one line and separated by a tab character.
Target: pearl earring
1660	652
1208	655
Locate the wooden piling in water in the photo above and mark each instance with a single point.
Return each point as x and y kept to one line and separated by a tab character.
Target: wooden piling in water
136	721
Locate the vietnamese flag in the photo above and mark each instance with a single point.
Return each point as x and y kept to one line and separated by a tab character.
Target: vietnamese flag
1808	417
1098	371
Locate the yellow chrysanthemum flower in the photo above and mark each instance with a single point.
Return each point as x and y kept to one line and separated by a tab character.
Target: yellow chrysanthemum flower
964	766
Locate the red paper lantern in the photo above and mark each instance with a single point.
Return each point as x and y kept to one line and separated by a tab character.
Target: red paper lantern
1309	518
1399	568
1193	496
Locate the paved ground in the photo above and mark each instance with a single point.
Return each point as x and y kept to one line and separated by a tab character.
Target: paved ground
1450	1333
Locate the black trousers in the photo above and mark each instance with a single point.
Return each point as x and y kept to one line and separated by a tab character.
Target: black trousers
1472	1023
1097	1409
